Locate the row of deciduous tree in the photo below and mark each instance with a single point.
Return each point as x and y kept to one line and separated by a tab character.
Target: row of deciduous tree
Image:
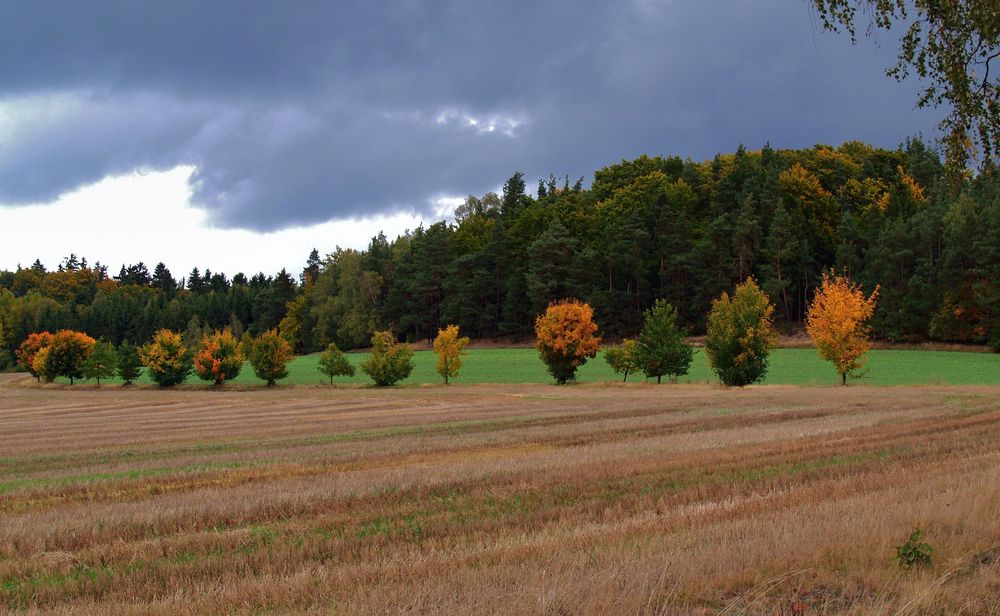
219	357
738	342
739	339
646	229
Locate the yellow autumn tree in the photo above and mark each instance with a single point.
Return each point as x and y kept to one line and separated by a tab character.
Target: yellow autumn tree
449	348
27	352
166	358
567	338
837	323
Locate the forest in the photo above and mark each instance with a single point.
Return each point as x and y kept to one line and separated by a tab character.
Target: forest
645	229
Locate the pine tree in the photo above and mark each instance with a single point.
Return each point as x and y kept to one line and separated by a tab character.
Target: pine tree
747	238
549	276
781	253
311	271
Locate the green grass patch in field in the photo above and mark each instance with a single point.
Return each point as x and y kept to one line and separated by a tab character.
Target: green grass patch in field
787	367
29	483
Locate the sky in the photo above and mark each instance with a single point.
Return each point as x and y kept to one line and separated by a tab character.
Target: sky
239	134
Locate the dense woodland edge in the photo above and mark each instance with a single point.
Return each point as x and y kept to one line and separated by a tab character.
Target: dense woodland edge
646	229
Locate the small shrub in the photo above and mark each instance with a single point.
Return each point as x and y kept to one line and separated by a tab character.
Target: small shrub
334	363
622	358
389	362
914	553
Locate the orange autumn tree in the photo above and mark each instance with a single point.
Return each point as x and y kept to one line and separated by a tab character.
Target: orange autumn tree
837	323
449	348
219	358
29	348
567	338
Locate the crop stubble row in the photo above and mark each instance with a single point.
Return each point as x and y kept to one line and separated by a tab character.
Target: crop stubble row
498	498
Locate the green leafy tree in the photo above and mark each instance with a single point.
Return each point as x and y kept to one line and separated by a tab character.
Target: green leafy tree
129	367
334	363
622	358
661	348
102	363
950	46
269	355
345	299
740	337
389	362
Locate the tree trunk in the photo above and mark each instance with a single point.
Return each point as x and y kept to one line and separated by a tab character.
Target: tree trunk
658	377
843	378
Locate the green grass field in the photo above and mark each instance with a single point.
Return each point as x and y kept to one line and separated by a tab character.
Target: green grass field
788	367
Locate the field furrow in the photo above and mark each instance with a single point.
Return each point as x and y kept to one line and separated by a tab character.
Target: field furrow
499	499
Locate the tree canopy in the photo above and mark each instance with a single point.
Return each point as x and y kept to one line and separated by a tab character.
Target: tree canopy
650	228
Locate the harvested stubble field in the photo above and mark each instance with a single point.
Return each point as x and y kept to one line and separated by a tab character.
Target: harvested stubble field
526	499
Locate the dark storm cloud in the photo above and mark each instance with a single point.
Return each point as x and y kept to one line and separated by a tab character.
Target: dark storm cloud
302	112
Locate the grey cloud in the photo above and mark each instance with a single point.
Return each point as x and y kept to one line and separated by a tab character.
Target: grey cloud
303	112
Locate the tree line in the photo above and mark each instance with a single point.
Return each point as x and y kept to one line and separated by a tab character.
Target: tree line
646	229
738	343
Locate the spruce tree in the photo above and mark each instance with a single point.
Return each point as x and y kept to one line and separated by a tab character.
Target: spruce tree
661	348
